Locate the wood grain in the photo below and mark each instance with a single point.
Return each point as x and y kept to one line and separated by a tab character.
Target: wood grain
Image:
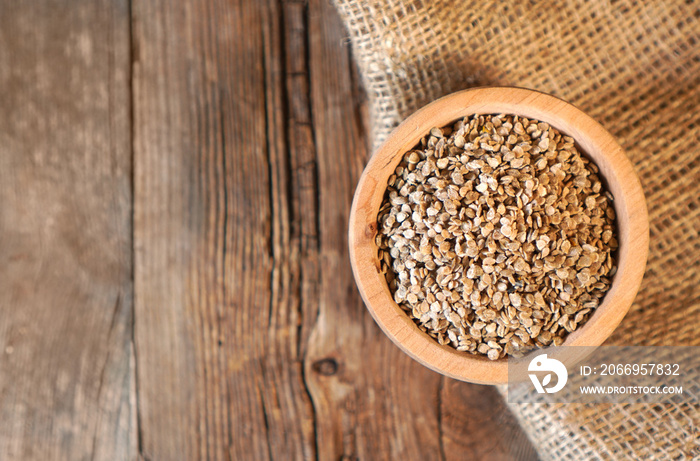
175	280
221	265
66	366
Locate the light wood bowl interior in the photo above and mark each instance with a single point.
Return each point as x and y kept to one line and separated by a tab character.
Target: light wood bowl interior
592	139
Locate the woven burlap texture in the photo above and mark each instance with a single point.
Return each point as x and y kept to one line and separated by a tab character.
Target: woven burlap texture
632	65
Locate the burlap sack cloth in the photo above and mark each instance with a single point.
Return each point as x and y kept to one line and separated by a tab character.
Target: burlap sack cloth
632	65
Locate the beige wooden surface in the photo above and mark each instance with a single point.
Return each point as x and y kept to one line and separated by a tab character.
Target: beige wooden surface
175	185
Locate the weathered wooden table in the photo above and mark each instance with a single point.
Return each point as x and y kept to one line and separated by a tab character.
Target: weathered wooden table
175	181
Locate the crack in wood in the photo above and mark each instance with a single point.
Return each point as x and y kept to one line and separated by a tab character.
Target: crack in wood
303	237
133	60
267	424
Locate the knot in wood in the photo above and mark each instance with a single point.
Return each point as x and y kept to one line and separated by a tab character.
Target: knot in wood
325	367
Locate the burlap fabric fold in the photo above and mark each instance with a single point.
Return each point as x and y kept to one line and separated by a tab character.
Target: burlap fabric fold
635	67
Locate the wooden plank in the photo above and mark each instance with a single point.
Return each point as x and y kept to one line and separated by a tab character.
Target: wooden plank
219	234
66	366
371	400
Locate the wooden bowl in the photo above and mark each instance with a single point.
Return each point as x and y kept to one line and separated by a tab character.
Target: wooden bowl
593	140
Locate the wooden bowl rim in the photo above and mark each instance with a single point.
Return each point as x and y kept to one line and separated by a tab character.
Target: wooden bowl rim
594	141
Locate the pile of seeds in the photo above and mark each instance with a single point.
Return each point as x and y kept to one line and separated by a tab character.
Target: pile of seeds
496	235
